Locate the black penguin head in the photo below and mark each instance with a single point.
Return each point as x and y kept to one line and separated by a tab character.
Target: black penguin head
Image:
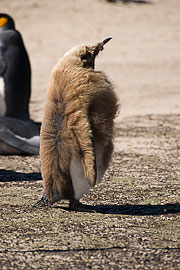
6	22
87	54
88	57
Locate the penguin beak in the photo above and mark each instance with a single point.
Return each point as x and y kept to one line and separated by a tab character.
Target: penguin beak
100	46
106	41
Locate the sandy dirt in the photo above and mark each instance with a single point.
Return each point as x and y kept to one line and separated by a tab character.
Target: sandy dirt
138	225
142	59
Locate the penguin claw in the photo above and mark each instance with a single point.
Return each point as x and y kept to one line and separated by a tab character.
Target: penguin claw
43	202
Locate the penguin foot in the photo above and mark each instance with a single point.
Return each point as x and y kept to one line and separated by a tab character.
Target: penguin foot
43	202
79	207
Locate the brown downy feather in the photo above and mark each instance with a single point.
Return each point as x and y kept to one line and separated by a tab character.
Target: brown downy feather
78	119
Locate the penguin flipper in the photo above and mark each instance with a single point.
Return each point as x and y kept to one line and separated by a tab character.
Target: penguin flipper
3	66
84	144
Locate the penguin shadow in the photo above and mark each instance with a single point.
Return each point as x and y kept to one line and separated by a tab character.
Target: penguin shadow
9	176
129	209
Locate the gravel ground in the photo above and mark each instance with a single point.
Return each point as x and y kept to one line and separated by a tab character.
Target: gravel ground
135	223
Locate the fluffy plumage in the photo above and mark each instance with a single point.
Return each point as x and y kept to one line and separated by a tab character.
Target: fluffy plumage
77	129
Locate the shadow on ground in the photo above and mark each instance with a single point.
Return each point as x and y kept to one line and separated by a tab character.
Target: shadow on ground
9	176
137	210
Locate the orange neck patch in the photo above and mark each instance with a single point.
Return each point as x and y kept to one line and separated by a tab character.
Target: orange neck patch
3	21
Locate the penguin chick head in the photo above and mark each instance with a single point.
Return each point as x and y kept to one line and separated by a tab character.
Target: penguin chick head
6	22
87	54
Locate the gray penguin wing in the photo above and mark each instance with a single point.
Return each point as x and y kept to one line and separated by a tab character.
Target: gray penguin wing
3	66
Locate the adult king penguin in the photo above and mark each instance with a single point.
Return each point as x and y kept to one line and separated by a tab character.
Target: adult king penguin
15	72
18	133
77	128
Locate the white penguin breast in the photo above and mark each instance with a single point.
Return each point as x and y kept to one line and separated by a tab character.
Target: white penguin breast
80	183
2	97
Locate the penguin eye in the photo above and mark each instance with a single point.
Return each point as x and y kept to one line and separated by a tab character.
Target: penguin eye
86	56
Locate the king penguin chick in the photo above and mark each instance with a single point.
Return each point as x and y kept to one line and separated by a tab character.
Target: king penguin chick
15	72
77	128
